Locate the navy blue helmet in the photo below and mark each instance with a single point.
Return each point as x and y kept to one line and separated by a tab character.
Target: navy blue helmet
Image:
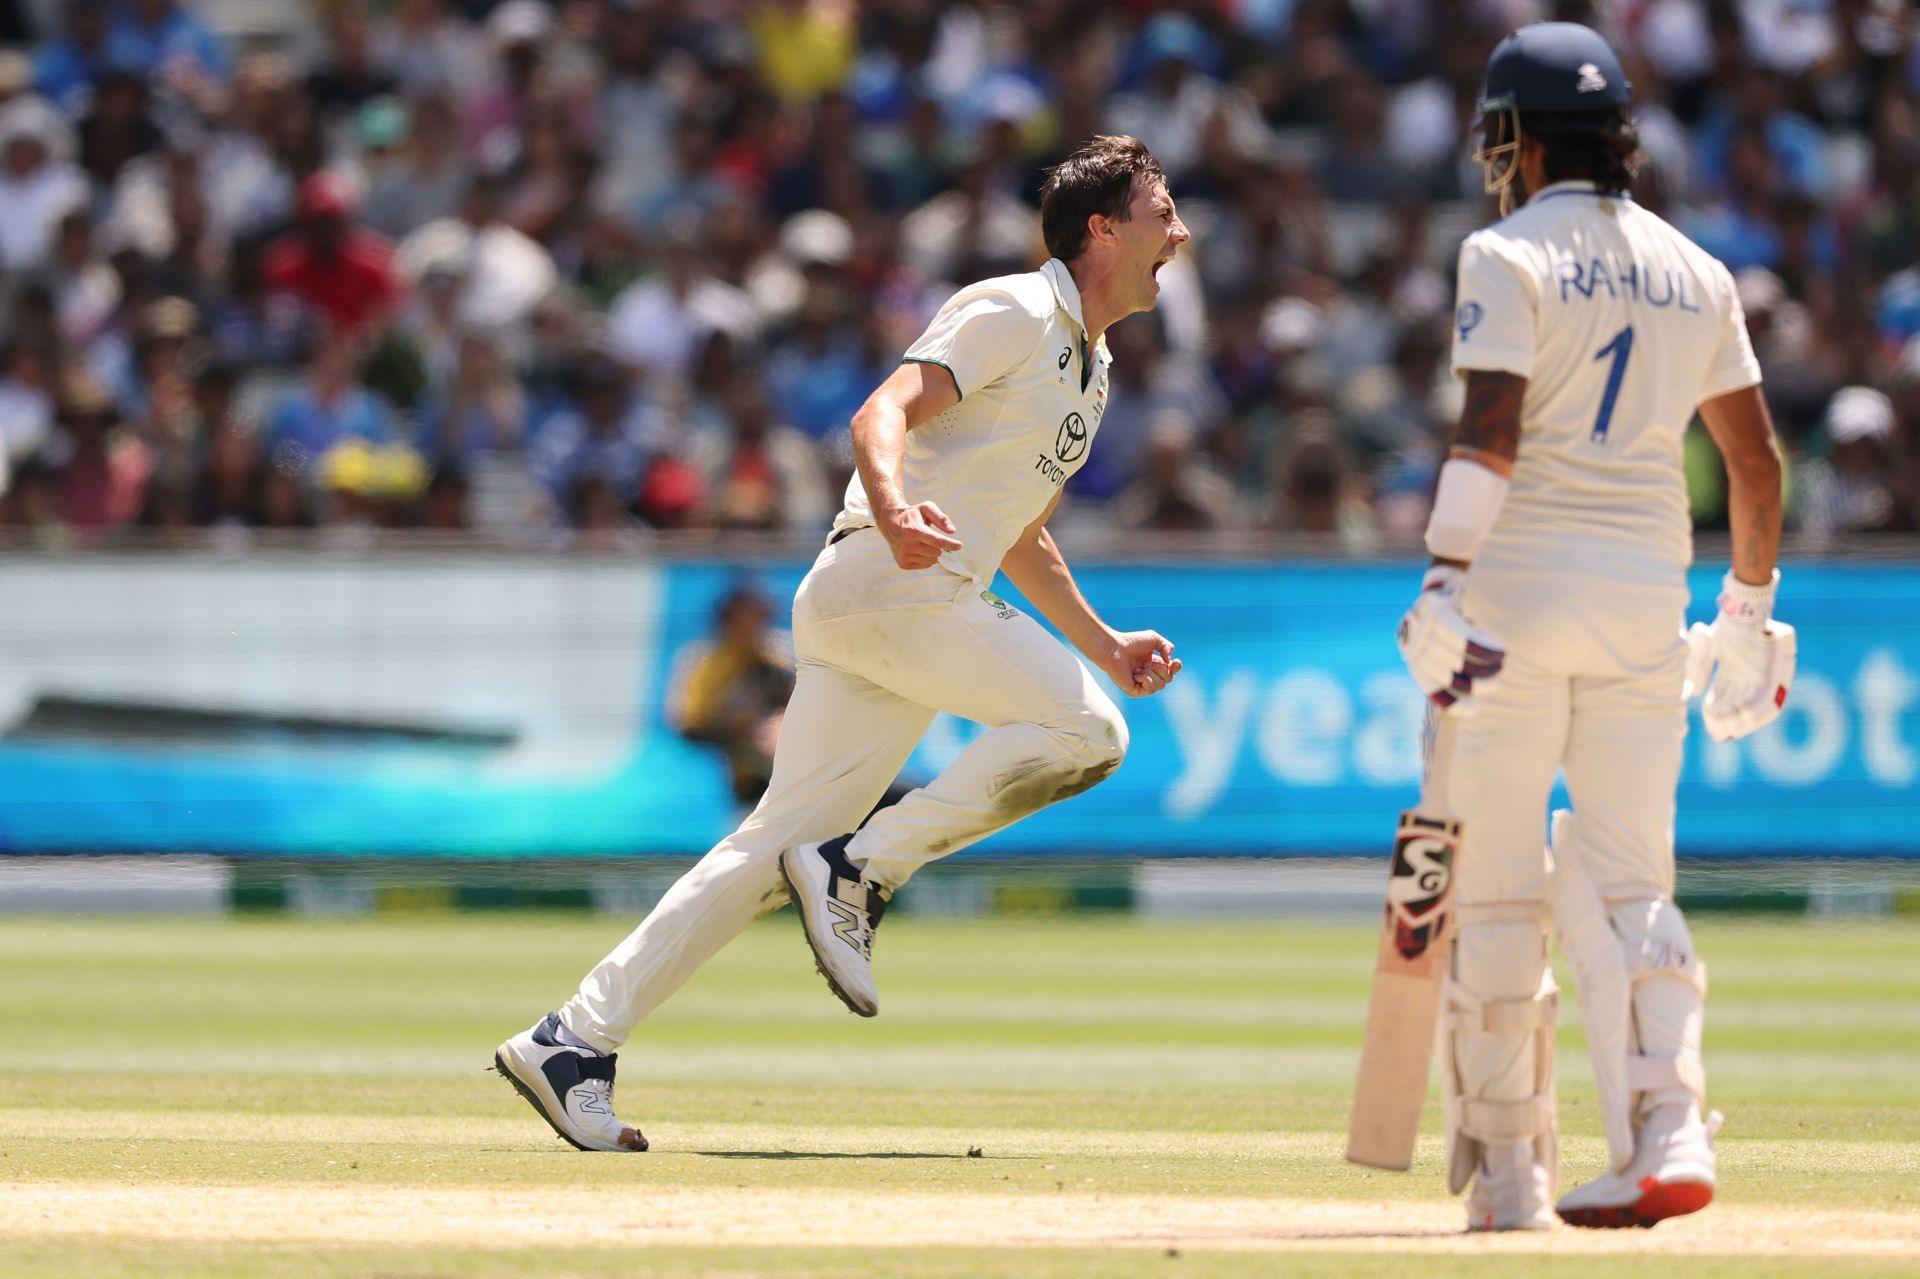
1558	67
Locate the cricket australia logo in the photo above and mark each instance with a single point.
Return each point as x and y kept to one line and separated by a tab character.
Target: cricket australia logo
1000	606
1590	81
1071	444
1417	890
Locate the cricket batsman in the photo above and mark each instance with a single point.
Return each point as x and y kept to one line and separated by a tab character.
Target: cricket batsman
961	455
1589	332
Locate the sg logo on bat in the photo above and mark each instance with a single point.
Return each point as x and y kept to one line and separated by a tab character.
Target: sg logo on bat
1420	884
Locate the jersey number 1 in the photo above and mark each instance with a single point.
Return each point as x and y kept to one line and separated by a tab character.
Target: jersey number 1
1620	348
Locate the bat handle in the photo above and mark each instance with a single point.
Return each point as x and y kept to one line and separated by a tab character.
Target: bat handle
1437	764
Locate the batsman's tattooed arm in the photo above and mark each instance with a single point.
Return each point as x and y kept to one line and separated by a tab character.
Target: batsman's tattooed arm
1489	431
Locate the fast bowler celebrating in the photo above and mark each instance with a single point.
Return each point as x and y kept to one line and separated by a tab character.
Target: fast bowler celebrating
1589	332
962	454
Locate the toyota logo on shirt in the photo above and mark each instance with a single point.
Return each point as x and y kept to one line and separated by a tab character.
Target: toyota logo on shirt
1071	445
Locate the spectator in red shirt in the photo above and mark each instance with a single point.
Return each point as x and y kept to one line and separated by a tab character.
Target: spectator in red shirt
343	271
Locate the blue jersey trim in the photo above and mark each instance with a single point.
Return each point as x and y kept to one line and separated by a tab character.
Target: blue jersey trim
1598	195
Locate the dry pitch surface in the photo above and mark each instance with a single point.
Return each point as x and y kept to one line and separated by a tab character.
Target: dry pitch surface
309	1099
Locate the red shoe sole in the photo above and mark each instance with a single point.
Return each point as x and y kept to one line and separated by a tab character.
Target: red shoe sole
1656	1204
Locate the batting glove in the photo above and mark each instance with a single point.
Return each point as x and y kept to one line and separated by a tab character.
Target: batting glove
1747	656
1445	652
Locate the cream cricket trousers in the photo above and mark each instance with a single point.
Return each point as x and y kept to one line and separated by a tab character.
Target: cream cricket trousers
1591	688
880	650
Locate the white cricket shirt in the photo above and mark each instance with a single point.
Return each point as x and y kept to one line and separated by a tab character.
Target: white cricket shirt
1032	392
1621	326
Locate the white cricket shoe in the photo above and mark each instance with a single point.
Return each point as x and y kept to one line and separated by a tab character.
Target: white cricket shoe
571	1086
1670	1175
1512	1190
839	910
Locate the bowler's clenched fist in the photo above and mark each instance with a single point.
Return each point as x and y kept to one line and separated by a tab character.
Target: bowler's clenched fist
919	535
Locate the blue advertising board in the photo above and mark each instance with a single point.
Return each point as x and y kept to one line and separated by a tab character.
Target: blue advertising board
1293	729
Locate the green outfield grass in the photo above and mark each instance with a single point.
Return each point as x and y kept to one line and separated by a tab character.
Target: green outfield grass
311	1098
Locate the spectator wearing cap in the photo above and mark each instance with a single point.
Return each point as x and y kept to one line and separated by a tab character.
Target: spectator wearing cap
39	184
343	272
163	40
1864	484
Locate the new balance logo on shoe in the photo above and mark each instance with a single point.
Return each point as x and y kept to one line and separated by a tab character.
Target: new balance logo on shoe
839	911
850	928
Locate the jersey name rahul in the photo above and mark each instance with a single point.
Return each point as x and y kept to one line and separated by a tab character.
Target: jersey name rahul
1621	326
1032	392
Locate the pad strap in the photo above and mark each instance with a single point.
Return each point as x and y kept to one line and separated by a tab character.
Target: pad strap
1651	1074
1507	1121
1507	1016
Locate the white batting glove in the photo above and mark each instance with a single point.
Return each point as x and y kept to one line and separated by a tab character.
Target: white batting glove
1748	657
1445	652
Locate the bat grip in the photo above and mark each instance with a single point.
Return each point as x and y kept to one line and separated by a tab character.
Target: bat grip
1437	763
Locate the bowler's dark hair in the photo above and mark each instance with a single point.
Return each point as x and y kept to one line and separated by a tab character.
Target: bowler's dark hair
1097	178
1597	146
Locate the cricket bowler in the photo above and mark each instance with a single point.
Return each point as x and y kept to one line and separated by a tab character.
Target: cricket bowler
1589	332
961	455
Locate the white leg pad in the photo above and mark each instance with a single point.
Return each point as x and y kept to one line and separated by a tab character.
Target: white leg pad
1501	1010
1642	990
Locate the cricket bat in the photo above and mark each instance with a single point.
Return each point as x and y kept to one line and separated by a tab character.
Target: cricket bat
1405	1008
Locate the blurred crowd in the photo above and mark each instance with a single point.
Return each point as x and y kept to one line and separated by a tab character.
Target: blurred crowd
564	274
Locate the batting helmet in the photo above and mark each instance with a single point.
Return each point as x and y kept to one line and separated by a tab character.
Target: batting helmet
1561	68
